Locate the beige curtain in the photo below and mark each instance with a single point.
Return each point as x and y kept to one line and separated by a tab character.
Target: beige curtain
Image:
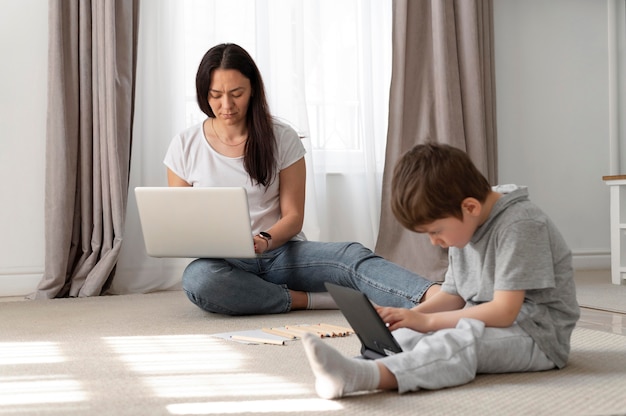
91	82
442	89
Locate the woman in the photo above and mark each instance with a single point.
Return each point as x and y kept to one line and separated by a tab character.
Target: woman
240	144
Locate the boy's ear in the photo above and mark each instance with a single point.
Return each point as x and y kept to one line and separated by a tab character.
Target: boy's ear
471	206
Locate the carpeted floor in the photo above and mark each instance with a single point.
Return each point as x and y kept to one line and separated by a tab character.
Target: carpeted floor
154	355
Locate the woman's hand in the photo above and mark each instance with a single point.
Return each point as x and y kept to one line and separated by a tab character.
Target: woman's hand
261	245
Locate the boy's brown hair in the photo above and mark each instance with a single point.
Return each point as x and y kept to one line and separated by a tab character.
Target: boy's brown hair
431	181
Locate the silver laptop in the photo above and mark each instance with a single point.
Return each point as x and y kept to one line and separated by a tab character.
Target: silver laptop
195	222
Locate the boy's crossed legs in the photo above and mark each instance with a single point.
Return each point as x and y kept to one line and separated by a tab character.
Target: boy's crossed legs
444	358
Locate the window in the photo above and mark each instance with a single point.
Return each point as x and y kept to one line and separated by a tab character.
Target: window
326	65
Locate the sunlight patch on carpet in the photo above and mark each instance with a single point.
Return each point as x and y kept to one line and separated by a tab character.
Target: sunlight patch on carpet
255	406
12	353
40	389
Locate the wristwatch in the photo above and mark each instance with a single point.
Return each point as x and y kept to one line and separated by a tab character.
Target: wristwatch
267	237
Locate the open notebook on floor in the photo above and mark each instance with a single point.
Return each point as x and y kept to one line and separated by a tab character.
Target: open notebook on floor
376	339
195	222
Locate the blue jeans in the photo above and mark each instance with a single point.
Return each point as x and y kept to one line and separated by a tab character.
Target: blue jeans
261	285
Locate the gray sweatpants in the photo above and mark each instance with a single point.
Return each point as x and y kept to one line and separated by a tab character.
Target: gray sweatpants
452	357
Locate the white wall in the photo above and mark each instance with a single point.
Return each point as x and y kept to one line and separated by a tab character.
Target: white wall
552	104
23	96
552	101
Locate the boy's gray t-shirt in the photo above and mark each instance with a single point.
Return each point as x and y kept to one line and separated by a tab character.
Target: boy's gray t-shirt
519	248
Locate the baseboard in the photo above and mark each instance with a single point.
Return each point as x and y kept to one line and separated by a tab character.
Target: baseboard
153	274
591	260
19	283
23	282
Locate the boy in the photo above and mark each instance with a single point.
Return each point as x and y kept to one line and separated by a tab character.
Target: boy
508	302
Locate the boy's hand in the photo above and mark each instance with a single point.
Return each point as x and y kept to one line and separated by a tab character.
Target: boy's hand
403	318
444	312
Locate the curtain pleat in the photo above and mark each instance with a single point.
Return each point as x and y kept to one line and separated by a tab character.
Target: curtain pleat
442	90
91	79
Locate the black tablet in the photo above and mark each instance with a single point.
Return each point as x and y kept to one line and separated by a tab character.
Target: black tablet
376	339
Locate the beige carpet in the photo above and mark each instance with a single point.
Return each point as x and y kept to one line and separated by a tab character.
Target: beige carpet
594	290
154	355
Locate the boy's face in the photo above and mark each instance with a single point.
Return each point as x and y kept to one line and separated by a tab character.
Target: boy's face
448	232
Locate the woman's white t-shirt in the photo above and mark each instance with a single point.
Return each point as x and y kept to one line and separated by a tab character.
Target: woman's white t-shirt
192	159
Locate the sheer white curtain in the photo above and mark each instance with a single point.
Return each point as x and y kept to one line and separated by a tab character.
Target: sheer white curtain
326	66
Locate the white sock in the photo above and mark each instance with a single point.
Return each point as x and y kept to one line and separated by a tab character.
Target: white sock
336	375
320	300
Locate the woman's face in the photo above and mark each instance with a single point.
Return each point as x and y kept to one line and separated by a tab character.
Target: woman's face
229	96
